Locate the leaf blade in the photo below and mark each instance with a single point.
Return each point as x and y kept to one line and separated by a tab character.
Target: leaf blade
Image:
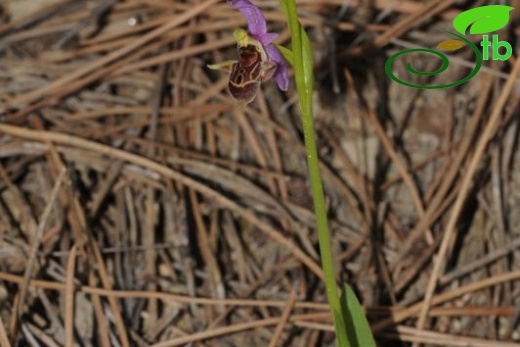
358	329
286	53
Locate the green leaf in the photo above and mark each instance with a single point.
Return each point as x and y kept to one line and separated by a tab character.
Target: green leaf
358	329
302	56
287	54
451	45
482	20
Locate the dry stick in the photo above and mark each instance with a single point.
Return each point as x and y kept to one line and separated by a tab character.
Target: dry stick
4	340
114	37
53	86
237	183
171	56
213	92
175	300
252	138
185	52
426	12
163	120
447	311
29	223
364	187
344	189
273	145
215	277
463	192
103	189
36	244
283	320
216	161
33	17
419	263
411	311
497	188
102	321
114	304
436	181
425	257
436	338
319	22
33	333
220	167
148	237
59	57
400	6
397	316
119	68
481	262
448	341
182	113
62	56
260	280
81	82
419	165
314	326
79	227
95	14
270	321
69	297
55	164
170	173
401	168
32	34
217	332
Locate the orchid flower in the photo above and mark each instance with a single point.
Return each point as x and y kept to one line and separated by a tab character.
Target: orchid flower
257	29
259	60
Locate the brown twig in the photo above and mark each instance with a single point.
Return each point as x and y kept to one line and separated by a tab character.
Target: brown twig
44	219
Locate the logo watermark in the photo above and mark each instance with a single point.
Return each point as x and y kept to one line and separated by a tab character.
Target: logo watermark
480	21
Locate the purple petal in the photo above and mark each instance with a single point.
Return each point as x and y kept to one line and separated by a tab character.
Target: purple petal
267	38
281	77
255	19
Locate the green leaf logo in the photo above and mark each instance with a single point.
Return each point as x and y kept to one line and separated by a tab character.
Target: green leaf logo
482	20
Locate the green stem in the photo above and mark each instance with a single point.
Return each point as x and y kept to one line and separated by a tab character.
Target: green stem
327	261
303	66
